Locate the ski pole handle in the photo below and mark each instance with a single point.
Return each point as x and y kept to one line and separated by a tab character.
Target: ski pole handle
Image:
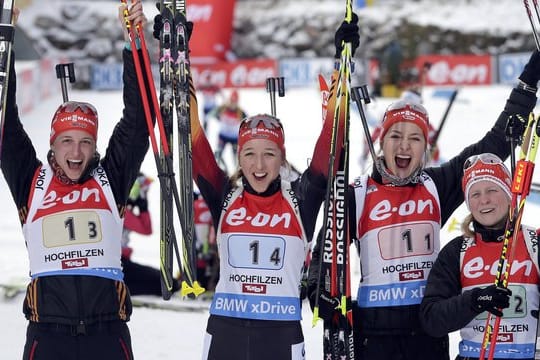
281	86
271	88
360	93
273	83
63	72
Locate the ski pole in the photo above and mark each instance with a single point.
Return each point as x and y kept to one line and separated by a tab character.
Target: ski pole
192	287
531	20
510	135
271	84
63	72
443	121
360	93
7	34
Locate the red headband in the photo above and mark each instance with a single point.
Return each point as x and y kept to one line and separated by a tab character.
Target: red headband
485	167
405	111
261	127
74	115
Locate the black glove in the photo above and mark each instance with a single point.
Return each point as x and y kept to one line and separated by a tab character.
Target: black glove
131	202
158	25
531	72
142	204
515	127
491	298
328	305
347	32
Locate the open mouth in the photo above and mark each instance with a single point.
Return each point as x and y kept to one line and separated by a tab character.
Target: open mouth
259	176
402	161
486	211
74	164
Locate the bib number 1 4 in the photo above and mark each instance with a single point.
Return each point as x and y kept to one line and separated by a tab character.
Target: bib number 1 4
262	252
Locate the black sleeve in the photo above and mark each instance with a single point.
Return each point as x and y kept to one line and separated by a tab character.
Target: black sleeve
444	308
310	191
314	270
448	176
17	147
128	143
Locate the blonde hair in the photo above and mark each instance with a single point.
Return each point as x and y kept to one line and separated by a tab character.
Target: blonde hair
466	226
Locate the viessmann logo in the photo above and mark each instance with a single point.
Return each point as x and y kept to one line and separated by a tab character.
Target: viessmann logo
254	288
74	263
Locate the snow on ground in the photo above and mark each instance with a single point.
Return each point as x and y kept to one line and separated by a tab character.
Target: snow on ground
169	335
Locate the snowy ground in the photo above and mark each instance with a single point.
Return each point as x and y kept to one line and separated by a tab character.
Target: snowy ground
171	335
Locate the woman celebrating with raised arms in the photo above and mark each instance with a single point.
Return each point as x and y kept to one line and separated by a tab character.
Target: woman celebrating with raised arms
264	225
396	214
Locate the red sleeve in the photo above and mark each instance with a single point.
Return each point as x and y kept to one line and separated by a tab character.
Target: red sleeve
203	160
141	224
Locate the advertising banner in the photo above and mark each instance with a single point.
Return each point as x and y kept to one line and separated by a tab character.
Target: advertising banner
457	69
244	73
213	23
510	67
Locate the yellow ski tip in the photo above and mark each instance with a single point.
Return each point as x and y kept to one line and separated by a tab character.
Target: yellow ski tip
192	291
197	288
315	316
185	289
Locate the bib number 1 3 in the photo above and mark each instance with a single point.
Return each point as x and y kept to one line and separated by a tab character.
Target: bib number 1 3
76	228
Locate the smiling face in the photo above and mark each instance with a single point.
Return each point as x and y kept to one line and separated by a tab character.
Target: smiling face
404	148
488	204
73	150
260	161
